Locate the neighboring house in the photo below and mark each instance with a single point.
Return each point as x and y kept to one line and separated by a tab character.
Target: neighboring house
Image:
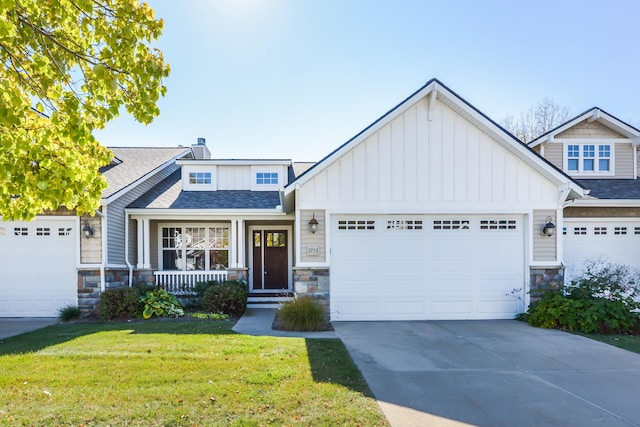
432	212
600	152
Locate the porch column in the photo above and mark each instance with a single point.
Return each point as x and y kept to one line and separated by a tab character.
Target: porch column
241	243
233	249
143	243
147	243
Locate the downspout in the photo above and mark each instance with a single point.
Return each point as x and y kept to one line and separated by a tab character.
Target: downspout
126	248
103	227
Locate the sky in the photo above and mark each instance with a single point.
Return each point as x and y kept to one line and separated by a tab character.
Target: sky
295	79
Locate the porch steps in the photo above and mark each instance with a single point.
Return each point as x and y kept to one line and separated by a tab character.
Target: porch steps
268	300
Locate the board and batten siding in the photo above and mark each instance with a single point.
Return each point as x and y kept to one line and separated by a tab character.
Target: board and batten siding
544	247
313	247
417	165
116	218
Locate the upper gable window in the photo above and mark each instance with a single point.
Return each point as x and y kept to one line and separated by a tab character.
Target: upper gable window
589	159
267	178
201	178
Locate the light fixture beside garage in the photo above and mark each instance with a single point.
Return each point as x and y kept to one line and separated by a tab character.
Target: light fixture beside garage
313	224
549	228
88	230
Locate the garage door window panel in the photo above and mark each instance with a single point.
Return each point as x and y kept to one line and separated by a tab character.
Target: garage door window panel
356	224
451	224
498	224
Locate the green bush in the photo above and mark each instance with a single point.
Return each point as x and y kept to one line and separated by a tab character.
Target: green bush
301	314
604	299
160	303
117	303
228	297
69	312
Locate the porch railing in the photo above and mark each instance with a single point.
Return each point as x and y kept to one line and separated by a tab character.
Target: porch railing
184	282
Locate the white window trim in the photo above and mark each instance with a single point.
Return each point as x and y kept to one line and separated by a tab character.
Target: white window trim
596	172
189	169
279	170
192	225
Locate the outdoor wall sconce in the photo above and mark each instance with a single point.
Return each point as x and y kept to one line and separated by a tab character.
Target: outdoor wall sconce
88	230
549	228
313	224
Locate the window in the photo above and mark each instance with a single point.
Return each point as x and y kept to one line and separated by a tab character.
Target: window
62	231
21	231
579	231
404	224
43	231
589	158
195	248
267	178
450	224
599	231
620	230
359	224
202	178
498	224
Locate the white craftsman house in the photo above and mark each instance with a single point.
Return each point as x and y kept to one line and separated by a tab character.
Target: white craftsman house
432	212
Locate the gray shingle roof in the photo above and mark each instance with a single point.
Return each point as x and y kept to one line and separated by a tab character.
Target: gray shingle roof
136	163
168	194
626	189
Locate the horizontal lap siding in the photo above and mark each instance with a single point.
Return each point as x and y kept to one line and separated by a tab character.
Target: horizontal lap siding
115	221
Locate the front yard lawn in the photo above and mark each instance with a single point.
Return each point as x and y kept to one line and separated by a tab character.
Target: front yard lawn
628	342
178	373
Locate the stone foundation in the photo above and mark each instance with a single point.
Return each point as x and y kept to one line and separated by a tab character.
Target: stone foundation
313	283
544	278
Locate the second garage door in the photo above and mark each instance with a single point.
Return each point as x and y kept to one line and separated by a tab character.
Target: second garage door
606	239
426	267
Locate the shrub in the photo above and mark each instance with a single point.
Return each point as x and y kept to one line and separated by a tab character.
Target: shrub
301	314
69	312
160	303
604	299
228	297
116	303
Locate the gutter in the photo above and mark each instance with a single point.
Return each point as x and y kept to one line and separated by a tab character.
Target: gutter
126	248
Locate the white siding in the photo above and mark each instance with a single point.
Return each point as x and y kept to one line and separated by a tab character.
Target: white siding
413	162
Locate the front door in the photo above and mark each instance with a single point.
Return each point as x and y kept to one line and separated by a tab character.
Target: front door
270	260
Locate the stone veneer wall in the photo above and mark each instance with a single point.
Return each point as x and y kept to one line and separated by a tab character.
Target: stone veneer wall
543	278
89	284
314	283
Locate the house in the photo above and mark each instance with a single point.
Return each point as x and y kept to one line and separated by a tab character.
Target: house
600	152
432	212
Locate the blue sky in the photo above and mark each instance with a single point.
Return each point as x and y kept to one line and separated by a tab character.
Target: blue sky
295	79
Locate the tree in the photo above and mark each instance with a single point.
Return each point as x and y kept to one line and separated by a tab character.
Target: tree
542	117
67	68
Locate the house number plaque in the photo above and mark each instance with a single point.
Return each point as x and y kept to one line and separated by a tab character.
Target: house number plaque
313	250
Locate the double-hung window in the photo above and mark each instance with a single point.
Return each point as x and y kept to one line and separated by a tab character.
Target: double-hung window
589	159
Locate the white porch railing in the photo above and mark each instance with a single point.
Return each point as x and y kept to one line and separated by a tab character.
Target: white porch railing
184	282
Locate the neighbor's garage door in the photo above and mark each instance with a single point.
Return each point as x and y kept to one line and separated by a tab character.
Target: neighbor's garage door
611	240
37	267
426	267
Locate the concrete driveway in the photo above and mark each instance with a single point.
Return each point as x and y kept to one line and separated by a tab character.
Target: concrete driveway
19	325
493	373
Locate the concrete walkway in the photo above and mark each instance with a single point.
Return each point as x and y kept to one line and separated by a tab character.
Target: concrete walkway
19	325
258	321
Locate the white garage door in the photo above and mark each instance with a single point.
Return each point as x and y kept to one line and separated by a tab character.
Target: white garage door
426	267
37	267
610	240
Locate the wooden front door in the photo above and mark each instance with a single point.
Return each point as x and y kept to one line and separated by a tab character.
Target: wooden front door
270	260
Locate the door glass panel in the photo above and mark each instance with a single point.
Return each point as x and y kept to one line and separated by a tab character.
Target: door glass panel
256	239
276	240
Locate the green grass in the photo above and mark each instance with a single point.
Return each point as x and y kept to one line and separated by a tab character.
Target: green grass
627	342
178	373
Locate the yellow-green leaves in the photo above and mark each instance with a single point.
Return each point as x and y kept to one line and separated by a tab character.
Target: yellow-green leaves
76	62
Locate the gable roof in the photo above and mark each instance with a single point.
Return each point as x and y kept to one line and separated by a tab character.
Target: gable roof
168	194
434	89
132	165
592	114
